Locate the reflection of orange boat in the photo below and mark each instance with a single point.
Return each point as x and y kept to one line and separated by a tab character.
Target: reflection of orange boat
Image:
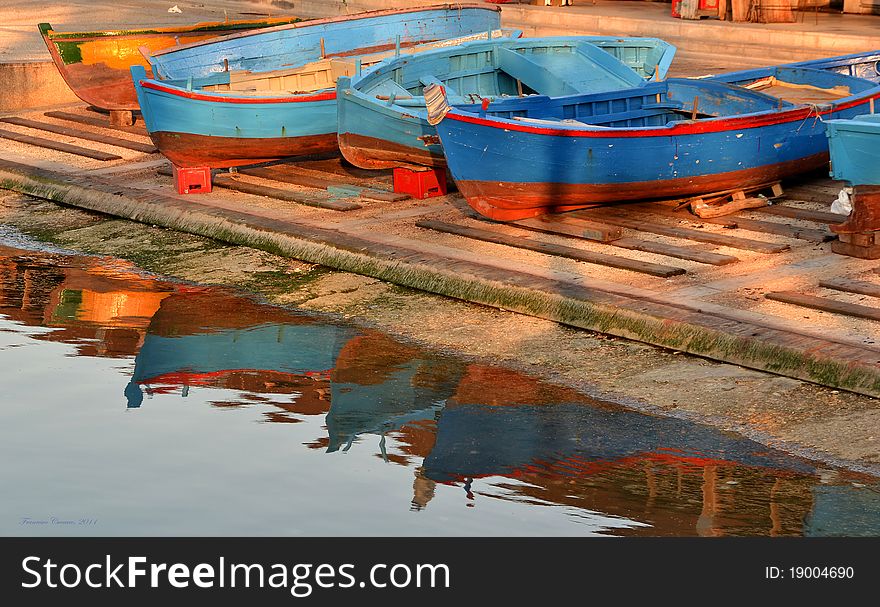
96	64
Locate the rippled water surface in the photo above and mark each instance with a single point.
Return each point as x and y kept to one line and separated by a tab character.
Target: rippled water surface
136	406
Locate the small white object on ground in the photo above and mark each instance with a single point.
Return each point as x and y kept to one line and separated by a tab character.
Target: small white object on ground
174	9
842	204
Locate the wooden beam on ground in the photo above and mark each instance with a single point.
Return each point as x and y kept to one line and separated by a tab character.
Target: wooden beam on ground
146	148
570	226
55	145
227	181
782	210
852	286
335	171
724	240
687	253
95	121
590	230
825	304
231	183
752	225
551	249
281	173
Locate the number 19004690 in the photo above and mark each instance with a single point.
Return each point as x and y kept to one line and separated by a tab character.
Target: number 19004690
804	573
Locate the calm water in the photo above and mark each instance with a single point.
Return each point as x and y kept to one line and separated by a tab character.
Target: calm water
144	407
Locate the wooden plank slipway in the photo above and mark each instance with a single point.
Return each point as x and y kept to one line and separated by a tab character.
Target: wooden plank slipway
666	278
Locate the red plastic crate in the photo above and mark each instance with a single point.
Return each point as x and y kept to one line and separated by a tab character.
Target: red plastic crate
192	180
424	183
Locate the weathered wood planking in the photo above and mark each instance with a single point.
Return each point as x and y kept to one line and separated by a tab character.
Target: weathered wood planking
735	242
807	214
94	121
687	253
551	249
570	226
825	304
282	173
851	286
231	183
752	225
589	230
58	146
137	146
225	180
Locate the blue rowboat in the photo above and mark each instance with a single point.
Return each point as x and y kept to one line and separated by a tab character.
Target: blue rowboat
242	116
855	149
680	137
296	44
381	114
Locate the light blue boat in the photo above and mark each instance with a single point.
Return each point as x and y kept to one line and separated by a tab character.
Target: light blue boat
855	149
299	43
248	99
381	113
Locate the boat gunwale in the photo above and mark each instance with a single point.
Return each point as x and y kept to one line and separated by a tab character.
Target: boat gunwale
328	20
230	97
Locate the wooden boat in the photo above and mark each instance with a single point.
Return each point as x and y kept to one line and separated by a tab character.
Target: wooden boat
381	115
238	117
679	137
95	65
297	44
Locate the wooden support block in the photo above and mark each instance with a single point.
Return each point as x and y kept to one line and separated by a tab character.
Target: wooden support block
853	250
826	305
146	148
852	286
735	242
121	118
776	189
569	226
58	146
706	210
551	249
861	239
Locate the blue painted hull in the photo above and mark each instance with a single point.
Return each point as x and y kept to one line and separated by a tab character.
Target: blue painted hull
196	126
509	169
297	44
377	134
855	149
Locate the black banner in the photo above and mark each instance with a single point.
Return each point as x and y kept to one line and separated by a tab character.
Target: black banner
276	571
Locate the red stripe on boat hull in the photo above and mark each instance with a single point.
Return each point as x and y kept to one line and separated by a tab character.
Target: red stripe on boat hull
188	150
509	201
372	153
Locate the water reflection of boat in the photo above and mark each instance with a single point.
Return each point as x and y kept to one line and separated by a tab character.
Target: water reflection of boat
240	344
380	385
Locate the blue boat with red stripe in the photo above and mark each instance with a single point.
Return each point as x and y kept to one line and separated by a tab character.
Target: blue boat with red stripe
680	137
251	99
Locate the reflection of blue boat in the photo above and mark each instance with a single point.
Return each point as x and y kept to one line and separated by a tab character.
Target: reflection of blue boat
388	405
382	119
844	510
294	349
476	441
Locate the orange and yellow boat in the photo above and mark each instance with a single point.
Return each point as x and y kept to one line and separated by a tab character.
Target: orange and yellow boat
95	65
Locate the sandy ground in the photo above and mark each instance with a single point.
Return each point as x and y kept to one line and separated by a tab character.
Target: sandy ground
838	427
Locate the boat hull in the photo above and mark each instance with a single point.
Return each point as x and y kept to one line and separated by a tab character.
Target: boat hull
510	171
297	44
375	134
220	131
96	65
